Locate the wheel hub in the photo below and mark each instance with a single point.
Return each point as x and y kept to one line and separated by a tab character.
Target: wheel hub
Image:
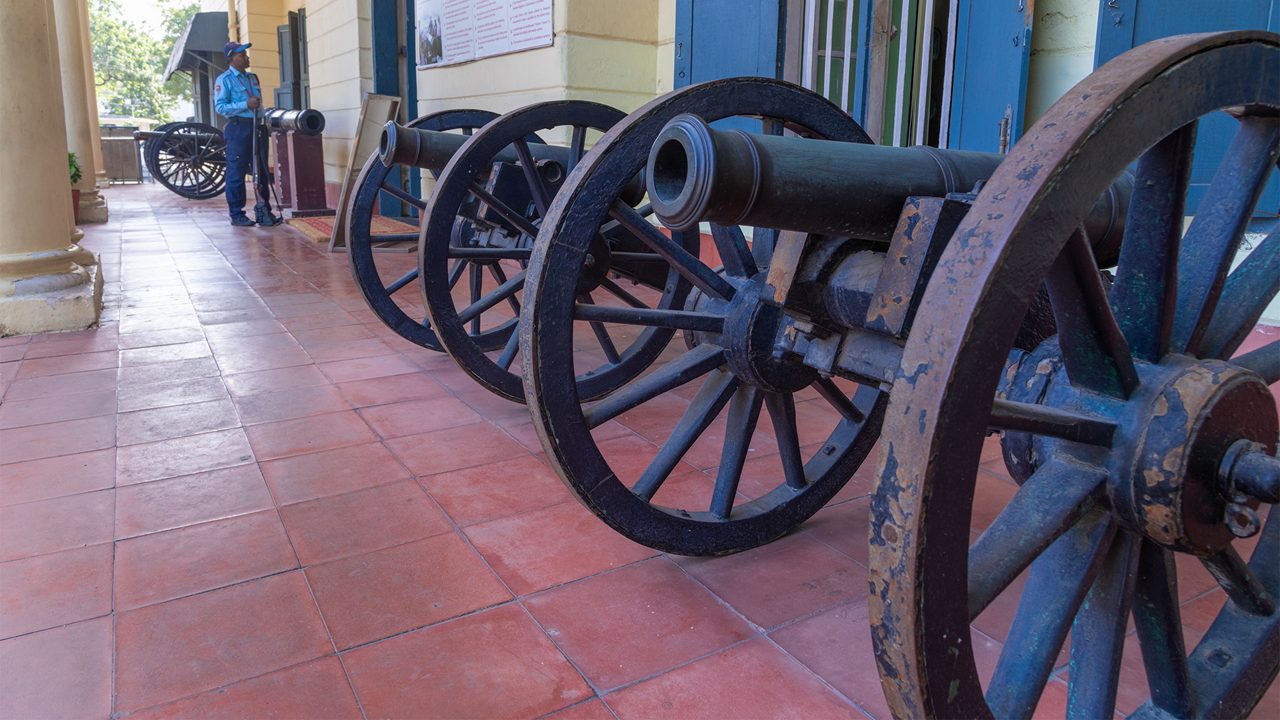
1186	418
750	333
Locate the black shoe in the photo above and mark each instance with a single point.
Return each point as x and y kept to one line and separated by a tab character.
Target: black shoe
264	217
242	221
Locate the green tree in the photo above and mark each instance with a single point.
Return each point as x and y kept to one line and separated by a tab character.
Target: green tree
129	61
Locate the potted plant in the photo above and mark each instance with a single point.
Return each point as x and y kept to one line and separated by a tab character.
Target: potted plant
74	168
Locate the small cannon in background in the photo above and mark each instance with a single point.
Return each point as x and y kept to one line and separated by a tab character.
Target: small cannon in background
190	158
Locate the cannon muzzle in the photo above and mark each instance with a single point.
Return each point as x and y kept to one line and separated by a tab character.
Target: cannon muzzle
700	174
303	122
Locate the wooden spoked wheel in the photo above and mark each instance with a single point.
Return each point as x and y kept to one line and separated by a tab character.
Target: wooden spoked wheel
476	244
758	447
190	159
1150	442
383	276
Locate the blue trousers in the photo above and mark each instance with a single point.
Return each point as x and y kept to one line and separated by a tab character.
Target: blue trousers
238	135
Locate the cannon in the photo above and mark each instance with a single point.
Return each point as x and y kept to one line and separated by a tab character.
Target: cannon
303	122
1048	301
488	195
188	158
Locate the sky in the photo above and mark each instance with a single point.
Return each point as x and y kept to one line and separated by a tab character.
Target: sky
143	12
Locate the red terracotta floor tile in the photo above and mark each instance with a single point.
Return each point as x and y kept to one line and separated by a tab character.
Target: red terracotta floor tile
625	625
60	438
308	435
171	370
751	680
64	672
177	502
496	490
330	351
182	456
164	423
154	338
22	413
590	710
242	361
494	408
343	371
63	364
315	690
290	404
56	524
307	338
386	592
179	648
836	644
55	589
332	472
166	565
455	448
278	380
418	416
244	328
360	522
40	387
571	544
57	476
782	581
170	392
394	388
488	665
843	527
165	353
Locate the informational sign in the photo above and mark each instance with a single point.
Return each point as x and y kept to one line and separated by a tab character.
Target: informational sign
457	31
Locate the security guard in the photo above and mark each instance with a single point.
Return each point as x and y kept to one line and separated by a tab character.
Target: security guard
237	97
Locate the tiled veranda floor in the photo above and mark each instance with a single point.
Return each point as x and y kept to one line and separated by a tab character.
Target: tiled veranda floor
243	497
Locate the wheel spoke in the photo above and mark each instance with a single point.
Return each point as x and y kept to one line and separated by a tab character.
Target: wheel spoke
744	413
1214	235
706	405
1238	580
782	413
1047	505
1057	585
1051	422
577	146
509	350
602	335
1265	361
455	273
838	400
480	304
1097	636
621	293
732	246
1144	295
541	196
405	196
686	368
674	319
1159	623
477	287
763	241
1245	296
682	260
402	281
517	221
496	271
1094	350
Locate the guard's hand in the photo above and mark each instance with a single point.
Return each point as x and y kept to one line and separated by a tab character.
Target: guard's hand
255	103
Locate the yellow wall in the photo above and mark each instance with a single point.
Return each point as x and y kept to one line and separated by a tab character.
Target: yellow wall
1063	36
666	70
604	50
340	64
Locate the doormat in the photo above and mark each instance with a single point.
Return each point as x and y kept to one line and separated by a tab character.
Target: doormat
320	228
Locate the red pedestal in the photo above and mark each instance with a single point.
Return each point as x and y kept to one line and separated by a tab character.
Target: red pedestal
305	171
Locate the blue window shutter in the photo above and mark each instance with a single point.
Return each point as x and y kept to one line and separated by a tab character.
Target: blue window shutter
727	38
989	87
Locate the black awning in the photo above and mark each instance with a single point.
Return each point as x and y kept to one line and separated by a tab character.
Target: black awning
200	43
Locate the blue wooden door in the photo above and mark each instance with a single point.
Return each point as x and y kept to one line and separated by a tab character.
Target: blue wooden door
989	86
727	38
1123	24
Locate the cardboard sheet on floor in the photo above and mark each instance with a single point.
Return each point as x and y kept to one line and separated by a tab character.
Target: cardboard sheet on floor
375	111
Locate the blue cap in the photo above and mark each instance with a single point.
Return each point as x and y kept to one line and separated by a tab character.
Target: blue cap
232	48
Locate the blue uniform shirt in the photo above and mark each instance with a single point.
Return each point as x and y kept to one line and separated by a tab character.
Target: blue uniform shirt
231	92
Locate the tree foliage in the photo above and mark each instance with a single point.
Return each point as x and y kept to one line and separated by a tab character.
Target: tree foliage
129	60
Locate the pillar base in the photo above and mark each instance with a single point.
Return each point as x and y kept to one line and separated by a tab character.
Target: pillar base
70	300
93	208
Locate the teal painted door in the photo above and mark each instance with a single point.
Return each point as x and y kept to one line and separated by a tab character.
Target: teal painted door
727	38
1123	24
989	84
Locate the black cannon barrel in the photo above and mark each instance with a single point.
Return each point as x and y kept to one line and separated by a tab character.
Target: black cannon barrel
700	174
303	122
431	149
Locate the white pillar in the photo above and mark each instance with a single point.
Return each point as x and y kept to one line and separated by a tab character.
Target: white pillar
42	287
91	95
80	120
